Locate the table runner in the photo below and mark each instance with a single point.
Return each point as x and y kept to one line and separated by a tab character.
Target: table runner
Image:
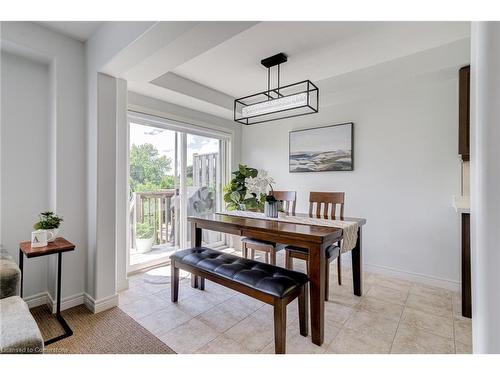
349	228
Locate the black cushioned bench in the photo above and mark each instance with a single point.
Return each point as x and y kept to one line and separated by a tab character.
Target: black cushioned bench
270	284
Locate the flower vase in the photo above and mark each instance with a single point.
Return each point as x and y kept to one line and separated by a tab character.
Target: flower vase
271	209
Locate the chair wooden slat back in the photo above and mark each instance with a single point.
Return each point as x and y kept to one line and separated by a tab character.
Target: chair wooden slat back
289	199
326	200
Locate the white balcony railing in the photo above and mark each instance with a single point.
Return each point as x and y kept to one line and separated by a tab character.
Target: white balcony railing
157	209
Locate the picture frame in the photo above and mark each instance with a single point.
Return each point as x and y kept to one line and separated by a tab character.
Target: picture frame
322	149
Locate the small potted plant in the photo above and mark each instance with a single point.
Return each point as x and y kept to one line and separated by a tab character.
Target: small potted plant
50	222
144	237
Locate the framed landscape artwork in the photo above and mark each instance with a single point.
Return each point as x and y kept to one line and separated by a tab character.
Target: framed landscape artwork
326	148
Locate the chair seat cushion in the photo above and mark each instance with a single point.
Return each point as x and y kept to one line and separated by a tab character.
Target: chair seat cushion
332	251
252	241
10	275
19	332
266	278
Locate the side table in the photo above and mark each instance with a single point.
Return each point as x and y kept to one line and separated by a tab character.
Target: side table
58	246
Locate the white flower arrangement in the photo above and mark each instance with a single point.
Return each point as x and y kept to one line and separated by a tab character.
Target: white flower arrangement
258	185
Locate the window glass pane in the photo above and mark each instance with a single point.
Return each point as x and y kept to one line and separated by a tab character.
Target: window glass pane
203	181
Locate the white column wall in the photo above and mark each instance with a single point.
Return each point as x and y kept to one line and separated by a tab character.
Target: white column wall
485	186
105	257
101	48
122	188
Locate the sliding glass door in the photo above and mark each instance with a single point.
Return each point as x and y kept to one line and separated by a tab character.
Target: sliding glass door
203	183
175	170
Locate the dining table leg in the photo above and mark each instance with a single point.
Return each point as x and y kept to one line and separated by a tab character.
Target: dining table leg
317	260
357	266
196	236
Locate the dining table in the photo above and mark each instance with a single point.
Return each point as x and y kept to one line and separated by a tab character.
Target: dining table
315	238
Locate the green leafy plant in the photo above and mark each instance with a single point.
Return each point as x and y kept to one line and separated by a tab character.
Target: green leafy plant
48	220
236	193
144	230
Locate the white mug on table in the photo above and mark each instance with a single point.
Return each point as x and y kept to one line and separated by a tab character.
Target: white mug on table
40	237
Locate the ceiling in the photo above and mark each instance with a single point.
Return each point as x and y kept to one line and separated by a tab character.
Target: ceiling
79	30
234	68
205	65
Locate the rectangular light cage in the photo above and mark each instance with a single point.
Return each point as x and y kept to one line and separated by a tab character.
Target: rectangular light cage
293	100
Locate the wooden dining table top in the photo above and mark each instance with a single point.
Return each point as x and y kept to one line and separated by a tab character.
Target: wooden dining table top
315	233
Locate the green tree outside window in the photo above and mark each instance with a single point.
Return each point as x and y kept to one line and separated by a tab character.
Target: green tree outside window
148	169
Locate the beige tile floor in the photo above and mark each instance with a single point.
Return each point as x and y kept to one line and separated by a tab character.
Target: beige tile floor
393	316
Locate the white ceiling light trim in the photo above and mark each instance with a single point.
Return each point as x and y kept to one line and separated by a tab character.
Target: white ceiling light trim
273	105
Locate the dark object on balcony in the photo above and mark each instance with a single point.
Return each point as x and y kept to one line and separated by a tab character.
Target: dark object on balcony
270	284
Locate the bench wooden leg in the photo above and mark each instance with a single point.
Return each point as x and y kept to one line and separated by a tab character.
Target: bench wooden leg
174	283
304	310
339	270
279	326
201	285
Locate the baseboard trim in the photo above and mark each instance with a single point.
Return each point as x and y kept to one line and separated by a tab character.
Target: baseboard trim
413	276
66	303
38	299
96	306
44	298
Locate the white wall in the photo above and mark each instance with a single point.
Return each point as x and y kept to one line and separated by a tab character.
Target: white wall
64	100
485	184
122	208
25	138
406	170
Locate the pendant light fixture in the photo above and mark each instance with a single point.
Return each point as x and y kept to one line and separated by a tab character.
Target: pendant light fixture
293	100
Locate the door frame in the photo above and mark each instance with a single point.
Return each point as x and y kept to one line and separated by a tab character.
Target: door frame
227	140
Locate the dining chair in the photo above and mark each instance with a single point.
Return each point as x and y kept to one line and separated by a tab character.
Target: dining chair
321	205
250	245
